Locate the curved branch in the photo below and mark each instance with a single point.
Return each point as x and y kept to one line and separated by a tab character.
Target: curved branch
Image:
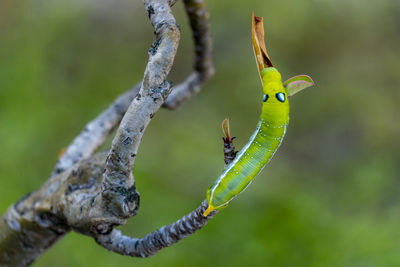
161	238
154	90
79	196
203	65
126	142
95	132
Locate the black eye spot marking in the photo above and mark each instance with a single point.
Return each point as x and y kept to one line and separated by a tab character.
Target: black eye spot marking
281	97
265	98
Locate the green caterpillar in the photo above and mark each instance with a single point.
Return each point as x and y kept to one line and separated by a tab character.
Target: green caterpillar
270	130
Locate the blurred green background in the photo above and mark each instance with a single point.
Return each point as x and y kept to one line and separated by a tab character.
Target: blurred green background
331	195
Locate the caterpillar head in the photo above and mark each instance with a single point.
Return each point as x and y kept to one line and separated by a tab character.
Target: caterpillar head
273	89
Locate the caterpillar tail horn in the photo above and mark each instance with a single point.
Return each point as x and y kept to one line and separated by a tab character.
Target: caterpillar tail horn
208	210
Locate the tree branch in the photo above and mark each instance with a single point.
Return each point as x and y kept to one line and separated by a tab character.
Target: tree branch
170	234
203	64
92	195
229	148
161	238
155	89
37	221
95	132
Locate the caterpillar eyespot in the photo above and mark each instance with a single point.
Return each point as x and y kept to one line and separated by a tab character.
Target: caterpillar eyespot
269	133
281	97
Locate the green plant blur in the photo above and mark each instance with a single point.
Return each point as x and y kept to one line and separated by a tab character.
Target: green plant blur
331	195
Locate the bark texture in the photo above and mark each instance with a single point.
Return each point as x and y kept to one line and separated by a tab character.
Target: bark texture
93	193
203	64
96	132
161	238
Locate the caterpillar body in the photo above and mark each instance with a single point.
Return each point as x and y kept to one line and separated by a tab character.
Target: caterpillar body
270	130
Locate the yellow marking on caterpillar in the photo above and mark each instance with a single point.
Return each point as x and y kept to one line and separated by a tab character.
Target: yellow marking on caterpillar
208	210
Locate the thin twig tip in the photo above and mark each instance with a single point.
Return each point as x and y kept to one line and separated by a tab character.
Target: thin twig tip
225	128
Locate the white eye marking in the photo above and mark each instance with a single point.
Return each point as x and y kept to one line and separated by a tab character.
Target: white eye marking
281	97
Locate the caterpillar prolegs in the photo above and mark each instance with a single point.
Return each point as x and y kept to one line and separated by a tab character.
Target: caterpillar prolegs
270	130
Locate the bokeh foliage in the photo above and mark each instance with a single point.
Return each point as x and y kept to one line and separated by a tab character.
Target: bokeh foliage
330	197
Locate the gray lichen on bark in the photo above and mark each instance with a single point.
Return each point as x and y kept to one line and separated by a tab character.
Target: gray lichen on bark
93	193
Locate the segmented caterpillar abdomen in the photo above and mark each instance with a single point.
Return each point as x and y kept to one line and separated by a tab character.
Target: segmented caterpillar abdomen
249	161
